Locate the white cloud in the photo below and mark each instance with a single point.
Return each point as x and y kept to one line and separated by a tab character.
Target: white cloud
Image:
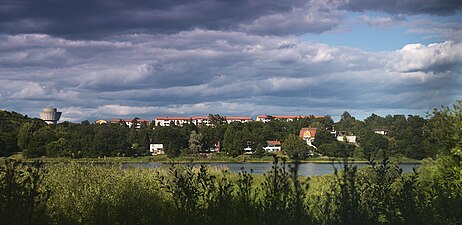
437	57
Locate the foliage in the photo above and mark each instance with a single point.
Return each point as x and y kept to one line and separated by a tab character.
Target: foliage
195	142
23	196
296	148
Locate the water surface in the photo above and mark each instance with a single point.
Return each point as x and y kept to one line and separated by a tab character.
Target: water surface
305	169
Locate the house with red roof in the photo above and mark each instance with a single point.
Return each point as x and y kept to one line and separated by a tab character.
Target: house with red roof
308	134
272	146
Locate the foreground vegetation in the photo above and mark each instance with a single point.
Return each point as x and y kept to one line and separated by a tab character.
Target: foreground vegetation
93	194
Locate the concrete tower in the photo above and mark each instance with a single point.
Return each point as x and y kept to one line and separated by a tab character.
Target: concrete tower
50	115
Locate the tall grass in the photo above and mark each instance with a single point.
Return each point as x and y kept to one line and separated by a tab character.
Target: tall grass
177	194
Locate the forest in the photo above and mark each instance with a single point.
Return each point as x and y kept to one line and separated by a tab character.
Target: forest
408	136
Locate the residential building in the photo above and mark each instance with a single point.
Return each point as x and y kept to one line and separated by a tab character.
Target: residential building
381	131
156	149
242	119
272	146
308	134
248	150
101	121
167	121
201	120
267	118
198	120
129	122
344	137
347	138
214	148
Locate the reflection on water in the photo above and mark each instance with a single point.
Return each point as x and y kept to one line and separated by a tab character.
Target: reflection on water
305	169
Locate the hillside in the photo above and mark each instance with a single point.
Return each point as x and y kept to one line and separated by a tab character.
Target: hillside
10	122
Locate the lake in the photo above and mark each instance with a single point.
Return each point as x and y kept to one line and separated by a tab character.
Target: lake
305	169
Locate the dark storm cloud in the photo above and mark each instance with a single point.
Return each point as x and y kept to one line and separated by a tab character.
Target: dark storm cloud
433	7
99	18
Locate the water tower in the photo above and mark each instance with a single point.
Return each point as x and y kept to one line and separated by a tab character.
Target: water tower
50	115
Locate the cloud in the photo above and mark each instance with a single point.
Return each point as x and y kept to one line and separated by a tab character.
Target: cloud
435	58
200	71
99	18
384	21
437	30
409	7
312	17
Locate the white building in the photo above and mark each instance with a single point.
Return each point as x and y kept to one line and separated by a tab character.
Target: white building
197	120
242	119
267	118
343	137
347	138
167	121
201	120
272	146
156	149
129	122
381	131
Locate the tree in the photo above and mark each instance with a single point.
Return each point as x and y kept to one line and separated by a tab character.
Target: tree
112	140
8	143
374	144
443	178
323	136
260	151
233	141
57	148
216	119
26	132
38	142
195	142
295	147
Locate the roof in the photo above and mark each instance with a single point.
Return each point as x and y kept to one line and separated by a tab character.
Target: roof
172	118
200	117
276	142
303	132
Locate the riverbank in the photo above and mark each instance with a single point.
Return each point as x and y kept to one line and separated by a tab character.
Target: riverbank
217	158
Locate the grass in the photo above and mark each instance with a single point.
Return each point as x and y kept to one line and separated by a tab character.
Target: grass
220	157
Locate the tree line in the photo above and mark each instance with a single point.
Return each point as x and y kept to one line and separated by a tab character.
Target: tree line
408	136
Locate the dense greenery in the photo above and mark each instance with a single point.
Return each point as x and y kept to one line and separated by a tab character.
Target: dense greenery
10	139
408	136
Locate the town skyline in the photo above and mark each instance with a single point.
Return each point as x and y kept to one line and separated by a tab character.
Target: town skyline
95	60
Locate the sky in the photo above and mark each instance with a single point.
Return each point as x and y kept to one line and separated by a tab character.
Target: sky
145	58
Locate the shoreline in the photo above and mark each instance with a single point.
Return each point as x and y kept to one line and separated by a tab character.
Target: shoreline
183	160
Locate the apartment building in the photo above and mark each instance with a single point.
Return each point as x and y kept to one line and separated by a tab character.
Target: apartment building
267	118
